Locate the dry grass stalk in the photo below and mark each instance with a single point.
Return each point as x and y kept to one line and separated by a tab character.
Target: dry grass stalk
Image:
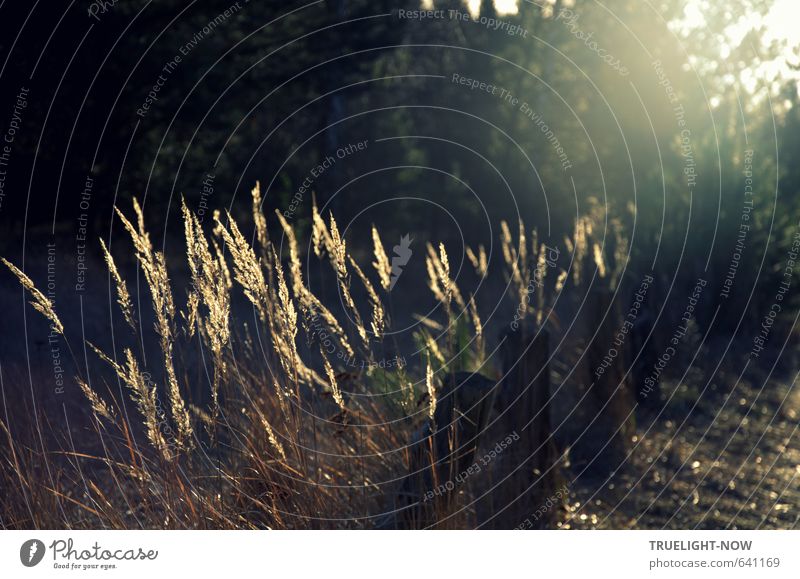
203	416
209	280
439	281
381	263
433	348
146	400
311	307
190	317
337	251
516	258
223	265
98	404
431	389
123	297
524	270
282	320
282	395
429	323
320	238
478	261
316	310
211	283
337	393
444	271
522	252
579	247
599	260
273	440
246	267
560	281
433	277
154	268
260	220
295	269
144	397
620	252
477	326
541	274
408	399
378	322
507	245
40	303
284	325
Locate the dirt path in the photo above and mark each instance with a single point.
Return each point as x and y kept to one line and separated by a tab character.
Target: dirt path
732	461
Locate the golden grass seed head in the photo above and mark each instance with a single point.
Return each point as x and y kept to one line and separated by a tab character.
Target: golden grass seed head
381	264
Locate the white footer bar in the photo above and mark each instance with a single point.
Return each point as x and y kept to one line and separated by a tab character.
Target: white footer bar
406	554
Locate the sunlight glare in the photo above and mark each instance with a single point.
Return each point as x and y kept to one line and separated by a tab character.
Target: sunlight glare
502	6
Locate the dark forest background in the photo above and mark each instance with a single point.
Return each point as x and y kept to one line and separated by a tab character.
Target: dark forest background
276	87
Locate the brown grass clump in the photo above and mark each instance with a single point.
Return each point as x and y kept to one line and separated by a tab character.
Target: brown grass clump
271	452
282	432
